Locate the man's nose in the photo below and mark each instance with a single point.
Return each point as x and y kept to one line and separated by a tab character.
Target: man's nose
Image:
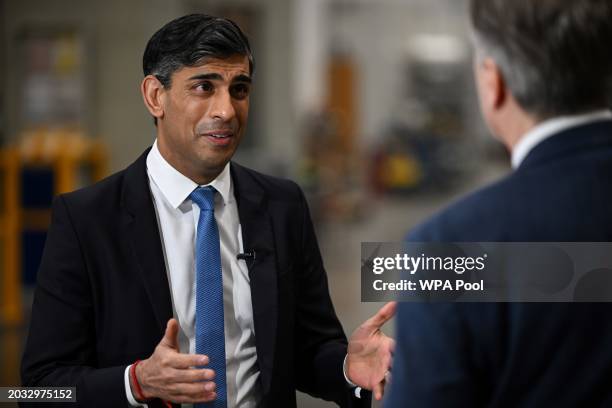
222	106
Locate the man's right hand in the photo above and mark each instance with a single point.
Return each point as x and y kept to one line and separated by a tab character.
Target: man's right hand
172	376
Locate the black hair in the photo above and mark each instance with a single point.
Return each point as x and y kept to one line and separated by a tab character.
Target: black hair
187	40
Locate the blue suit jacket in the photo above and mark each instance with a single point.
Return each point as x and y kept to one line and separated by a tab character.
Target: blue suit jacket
517	354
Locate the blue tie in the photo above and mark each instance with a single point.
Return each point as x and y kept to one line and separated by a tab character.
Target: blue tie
210	329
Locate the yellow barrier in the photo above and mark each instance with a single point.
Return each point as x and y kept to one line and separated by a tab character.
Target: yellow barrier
10	299
64	153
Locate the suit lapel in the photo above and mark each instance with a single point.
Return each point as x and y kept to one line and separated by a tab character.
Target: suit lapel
143	233
257	236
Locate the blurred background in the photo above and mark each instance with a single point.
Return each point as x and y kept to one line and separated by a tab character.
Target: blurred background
368	104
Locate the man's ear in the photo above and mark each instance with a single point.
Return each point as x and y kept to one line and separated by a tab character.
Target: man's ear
153	95
492	85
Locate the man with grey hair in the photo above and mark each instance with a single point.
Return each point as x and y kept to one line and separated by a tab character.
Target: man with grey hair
543	70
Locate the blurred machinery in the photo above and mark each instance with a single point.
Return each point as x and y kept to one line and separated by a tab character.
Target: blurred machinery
330	170
425	145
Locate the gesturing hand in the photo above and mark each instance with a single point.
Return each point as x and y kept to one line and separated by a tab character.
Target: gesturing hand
171	376
370	352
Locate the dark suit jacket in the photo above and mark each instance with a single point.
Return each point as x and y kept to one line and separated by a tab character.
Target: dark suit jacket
514	354
103	298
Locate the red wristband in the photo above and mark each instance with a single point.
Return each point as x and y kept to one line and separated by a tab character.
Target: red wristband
139	393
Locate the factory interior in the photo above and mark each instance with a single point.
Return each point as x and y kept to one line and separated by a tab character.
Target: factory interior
369	105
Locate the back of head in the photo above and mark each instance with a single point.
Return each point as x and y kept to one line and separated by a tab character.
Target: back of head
554	54
188	40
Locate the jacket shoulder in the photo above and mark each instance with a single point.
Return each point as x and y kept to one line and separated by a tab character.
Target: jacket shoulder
98	197
275	187
474	217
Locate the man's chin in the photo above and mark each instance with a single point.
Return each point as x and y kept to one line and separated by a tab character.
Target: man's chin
214	163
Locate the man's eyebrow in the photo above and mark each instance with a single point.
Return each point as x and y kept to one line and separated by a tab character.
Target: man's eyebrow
242	78
217	77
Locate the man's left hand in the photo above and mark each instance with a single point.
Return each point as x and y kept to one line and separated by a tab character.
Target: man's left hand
370	352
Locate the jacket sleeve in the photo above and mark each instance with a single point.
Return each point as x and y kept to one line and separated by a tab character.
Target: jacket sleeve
321	342
61	345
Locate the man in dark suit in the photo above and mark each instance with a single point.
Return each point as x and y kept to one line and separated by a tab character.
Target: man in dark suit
543	71
205	270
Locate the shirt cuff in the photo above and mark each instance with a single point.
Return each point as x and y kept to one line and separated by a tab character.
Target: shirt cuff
357	389
128	390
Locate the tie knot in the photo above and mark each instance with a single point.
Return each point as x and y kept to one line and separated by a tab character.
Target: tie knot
204	197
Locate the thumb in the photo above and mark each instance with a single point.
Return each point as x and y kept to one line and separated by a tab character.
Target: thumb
382	316
170	338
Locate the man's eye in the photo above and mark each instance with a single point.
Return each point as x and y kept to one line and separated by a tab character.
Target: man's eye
205	87
240	91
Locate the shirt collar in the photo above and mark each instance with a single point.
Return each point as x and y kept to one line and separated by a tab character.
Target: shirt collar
177	187
550	127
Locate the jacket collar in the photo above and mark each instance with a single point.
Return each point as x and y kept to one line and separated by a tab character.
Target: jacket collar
551	127
570	142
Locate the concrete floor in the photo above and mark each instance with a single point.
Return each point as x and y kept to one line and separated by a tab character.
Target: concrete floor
390	219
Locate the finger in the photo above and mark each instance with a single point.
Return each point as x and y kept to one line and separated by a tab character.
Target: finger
391	345
378	391
193	375
183	361
191	390
382	316
387	350
170	338
190	393
206	397
387	359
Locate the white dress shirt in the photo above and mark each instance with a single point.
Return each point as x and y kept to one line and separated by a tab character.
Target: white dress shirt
551	127
177	217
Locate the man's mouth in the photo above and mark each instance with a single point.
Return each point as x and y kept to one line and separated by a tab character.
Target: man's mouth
219	133
219	137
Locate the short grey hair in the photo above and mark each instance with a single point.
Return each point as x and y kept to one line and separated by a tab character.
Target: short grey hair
520	77
553	54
